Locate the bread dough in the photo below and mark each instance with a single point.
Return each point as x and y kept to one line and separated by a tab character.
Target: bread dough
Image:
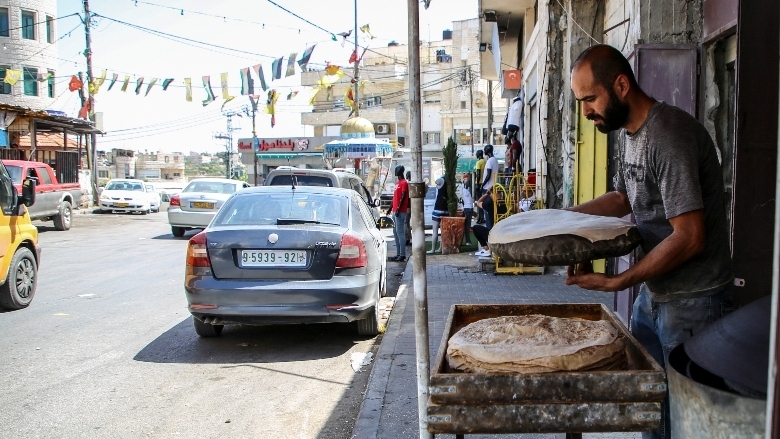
549	222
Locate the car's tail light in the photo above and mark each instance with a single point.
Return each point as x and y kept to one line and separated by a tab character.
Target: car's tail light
197	255
175	201
352	253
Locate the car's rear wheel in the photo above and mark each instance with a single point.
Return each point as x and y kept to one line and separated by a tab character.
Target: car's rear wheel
369	326
177	231
206	329
19	287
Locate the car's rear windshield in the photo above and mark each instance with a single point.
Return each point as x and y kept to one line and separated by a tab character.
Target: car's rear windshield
124	186
210	187
15	172
301	180
283	208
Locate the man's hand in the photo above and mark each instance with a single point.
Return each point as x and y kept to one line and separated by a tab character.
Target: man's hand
587	279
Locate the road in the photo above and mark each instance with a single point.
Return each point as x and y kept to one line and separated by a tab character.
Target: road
107	350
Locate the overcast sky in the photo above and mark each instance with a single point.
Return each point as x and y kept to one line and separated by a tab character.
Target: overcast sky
163	120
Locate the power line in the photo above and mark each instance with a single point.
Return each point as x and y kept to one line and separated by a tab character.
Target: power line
44	21
332	35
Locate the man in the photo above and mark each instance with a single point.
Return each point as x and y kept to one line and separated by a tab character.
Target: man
668	176
489	179
401	209
479	169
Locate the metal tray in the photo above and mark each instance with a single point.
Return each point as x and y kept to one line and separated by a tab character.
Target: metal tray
618	400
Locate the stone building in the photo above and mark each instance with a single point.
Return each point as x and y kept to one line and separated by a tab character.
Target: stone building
157	166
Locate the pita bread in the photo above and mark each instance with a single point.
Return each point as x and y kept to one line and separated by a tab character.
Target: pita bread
535	344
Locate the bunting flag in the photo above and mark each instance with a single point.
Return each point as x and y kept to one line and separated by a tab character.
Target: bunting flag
209	93
276	68
353	58
291	65
85	109
367	30
138	83
270	105
292	95
12	76
344	36
125	83
260	76
94	86
332	75
73	85
223	77
331	69
303	63
43	77
247	83
166	83
149	87
114	77
188	89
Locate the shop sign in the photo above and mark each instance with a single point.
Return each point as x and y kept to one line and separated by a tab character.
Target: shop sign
273	145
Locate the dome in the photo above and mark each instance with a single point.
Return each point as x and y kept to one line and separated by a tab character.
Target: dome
357	127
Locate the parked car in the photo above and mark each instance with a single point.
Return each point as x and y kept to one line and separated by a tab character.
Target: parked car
125	195
198	202
154	198
323	178
54	200
21	254
277	255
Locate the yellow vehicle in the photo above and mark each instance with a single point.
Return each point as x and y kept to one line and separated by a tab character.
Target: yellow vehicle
19	251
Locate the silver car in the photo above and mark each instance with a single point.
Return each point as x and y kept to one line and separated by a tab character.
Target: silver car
278	255
198	202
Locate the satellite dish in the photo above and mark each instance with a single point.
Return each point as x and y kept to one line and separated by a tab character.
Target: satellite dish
478	103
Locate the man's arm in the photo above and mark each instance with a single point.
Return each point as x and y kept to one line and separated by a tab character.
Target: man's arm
685	242
610	204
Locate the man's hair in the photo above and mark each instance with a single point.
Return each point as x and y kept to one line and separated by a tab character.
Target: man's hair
606	63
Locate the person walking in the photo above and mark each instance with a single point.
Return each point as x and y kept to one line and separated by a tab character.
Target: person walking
668	176
401	209
468	205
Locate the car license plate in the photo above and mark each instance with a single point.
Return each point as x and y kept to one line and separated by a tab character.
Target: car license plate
121	204
273	258
202	205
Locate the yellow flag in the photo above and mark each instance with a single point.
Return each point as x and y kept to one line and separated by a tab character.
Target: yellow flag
313	94
96	83
188	88
12	76
225	92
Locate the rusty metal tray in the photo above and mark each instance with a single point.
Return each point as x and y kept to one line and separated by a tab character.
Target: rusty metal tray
598	401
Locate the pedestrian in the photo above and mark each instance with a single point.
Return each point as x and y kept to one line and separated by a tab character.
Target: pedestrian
481	231
489	178
669	178
479	167
408	229
401	209
468	206
439	210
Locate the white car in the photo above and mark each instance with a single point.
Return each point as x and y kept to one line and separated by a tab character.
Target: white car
125	195
154	197
198	202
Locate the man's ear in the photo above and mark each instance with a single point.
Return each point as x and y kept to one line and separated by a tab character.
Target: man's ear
621	86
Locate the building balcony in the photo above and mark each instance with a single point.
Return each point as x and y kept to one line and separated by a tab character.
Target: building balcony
381	114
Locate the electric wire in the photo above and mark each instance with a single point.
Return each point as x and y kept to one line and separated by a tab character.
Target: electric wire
44	21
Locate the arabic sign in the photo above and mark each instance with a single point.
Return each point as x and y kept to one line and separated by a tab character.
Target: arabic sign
288	145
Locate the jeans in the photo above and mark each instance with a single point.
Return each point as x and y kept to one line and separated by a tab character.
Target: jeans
399	224
467	227
662	326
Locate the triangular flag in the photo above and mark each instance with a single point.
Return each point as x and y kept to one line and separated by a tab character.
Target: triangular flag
166	83
225	92
260	76
188	89
366	30
344	36
209	93
94	86
138	83
291	64
114	77
331	78
125	83
333	69
349	98
12	76
74	84
247	83
85	109
304	61
292	95
149	87
353	58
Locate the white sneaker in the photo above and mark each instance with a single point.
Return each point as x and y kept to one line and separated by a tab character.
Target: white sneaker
482	253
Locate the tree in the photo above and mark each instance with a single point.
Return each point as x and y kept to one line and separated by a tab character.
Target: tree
450	153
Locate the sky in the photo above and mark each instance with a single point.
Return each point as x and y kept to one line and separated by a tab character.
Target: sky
261	31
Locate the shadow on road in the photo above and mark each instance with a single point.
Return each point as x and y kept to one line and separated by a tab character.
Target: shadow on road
187	235
251	344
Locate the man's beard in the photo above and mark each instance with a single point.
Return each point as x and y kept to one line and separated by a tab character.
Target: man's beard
615	115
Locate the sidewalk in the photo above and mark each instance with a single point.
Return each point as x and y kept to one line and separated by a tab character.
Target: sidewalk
389	409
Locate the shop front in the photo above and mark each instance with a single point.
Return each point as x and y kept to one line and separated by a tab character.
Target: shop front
270	153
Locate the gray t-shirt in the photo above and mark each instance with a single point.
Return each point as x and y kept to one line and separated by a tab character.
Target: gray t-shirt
669	167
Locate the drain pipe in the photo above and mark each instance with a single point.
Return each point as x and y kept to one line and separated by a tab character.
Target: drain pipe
417	192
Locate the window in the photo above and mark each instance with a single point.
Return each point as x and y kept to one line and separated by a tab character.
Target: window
462	105
6	191
176	174
43	176
5	88
431	138
4	22
30	81
167	159
49	29
28	25
463	137
103	174
50	84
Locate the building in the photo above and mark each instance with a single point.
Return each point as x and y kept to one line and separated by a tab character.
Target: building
117	163
28	36
196	158
156	166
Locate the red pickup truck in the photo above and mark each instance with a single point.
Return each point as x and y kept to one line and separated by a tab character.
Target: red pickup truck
54	201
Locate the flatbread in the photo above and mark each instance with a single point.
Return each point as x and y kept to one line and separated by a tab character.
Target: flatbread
535	344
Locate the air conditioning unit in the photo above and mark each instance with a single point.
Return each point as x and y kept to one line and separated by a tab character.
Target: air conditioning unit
382	128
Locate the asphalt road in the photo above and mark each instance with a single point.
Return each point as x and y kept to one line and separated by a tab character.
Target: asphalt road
107	350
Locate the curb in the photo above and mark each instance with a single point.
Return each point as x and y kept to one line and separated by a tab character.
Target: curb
367	422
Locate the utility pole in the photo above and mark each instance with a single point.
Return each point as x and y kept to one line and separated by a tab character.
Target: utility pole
470	79
93	138
357	66
490	110
228	138
255	148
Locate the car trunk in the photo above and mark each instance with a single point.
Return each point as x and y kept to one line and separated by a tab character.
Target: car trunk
233	250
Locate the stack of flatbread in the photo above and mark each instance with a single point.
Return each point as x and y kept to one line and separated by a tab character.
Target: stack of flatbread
536	343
